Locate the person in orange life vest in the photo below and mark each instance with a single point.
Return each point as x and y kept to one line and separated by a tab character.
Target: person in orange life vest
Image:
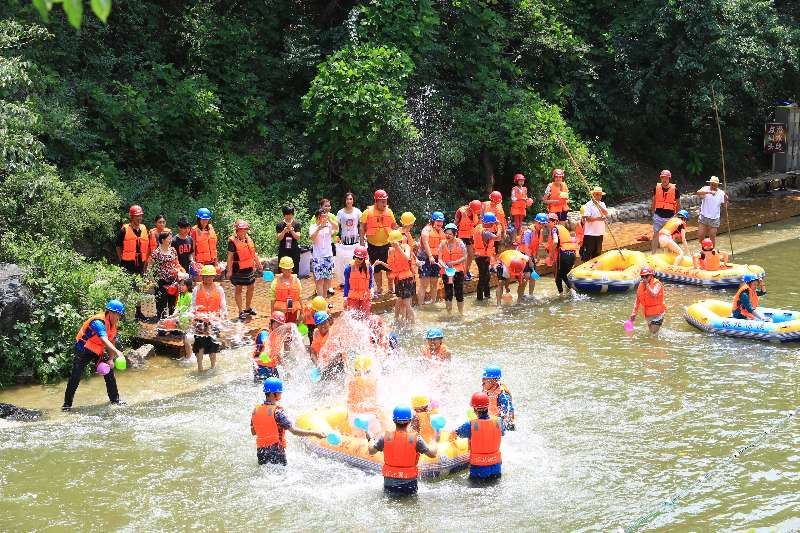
466	218
284	291
495	206
562	251
133	244
580	228
401	450
666	236
160	224
484	434
315	303
529	245
484	236
205	238
745	301
435	348
666	202
453	254
500	403
328	362
708	258
270	344
520	202
650	297
401	269
376	222
208	306
95	337
511	265
421	423
362	390
430	239
243	265
358	283
269	424
556	195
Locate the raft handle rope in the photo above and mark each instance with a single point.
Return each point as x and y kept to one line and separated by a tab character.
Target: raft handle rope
722	157
672	502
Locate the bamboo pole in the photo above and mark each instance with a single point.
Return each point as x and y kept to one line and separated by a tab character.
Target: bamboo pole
722	157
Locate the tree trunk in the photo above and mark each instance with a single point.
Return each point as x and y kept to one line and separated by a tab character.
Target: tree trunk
488	169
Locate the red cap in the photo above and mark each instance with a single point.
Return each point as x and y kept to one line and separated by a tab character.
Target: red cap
519	177
135	211
480	400
278	316
665	174
707	243
646	271
360	252
496	197
557	172
242	224
476	206
380	194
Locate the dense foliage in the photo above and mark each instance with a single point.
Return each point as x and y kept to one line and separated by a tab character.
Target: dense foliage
243	106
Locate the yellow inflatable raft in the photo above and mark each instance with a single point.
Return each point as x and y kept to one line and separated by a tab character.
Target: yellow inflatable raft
714	316
686	273
612	271
352	450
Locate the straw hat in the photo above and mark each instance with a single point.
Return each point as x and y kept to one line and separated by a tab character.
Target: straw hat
713	179
598	190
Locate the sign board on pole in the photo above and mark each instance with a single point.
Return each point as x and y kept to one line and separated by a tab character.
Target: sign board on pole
775	138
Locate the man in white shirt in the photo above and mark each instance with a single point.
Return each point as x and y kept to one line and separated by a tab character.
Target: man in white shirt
713	198
594	219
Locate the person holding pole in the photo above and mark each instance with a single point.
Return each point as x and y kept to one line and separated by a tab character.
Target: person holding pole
713	199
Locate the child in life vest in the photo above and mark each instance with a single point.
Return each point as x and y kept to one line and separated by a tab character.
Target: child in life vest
485	433
421	423
435	348
362	391
708	258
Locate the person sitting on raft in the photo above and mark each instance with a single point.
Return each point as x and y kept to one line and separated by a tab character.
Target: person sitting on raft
401	449
745	302
484	433
362	389
666	235
511	265
650	296
500	403
269	347
421	423
708	258
435	348
269	424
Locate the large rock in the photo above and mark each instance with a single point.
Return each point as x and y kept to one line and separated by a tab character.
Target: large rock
15	298
137	358
20	414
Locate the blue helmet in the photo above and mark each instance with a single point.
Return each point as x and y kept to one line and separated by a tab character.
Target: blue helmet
393	340
273	385
437	216
489	218
683	213
320	317
203	214
747	278
434	333
402	414
492	372
115	306
451	226
541	218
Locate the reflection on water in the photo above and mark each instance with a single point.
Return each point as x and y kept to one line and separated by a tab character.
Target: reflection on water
609	426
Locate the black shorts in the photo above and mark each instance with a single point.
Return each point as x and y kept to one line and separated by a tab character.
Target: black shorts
405	288
244	277
207	344
381	253
271	455
468	241
399	487
562	215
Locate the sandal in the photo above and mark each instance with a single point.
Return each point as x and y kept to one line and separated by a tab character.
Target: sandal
244	315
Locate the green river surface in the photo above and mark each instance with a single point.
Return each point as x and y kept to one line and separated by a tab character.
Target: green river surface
609	426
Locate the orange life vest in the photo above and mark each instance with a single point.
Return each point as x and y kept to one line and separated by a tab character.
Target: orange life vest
131	241
205	244
442	354
408	239
245	253
400	455
672	226
565	241
318	341
665	199
435	237
358	282
653	303
484	441
467	222
285	289
753	301
362	394
520	205
91	341
274	349
555	194
378	220
426	431
266	427
494	407
398	264
710	260
499	212
481	249
308	315
454	254
154	239
208	302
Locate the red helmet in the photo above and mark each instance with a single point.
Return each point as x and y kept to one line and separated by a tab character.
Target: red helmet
360	252
480	400
135	210
558	173
380	194
476	206
706	243
496	197
278	316
665	174
517	265
242	224
646	271
519	177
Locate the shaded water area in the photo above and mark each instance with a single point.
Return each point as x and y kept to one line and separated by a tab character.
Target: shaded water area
609	425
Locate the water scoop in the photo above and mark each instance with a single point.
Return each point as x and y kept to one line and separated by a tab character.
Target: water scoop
314	375
302	328
438	422
103	368
628	325
265	358
361	422
450	272
120	363
535	275
334	439
268	276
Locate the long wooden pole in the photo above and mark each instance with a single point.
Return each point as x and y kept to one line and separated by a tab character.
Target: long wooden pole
722	157
588	188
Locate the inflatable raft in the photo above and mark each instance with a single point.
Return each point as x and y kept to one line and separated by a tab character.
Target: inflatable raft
609	272
352	450
730	277
714	316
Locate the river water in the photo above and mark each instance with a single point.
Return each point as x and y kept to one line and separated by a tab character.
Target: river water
609	425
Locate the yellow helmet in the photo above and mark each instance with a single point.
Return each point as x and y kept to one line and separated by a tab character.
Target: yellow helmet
318	303
208	270
286	262
419	400
363	363
395	236
407	218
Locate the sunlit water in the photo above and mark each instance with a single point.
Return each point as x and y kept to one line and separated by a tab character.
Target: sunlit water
609	426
